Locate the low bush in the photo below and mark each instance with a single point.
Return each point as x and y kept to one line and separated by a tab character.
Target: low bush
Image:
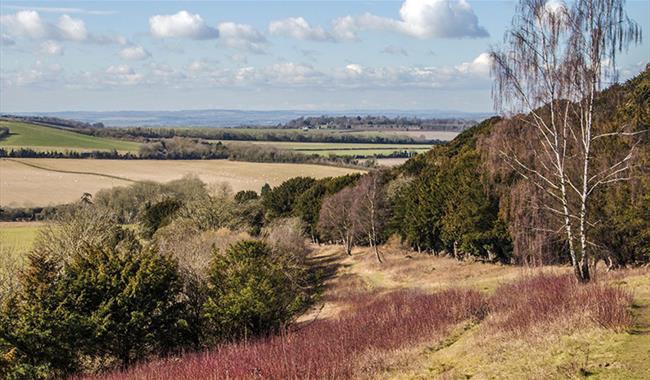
326	349
545	299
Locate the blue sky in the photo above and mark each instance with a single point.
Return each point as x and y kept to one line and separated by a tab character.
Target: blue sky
257	55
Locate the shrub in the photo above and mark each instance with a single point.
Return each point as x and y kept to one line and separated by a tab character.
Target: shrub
114	301
546	299
251	292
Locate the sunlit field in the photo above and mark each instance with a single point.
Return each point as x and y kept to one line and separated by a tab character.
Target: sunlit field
42	182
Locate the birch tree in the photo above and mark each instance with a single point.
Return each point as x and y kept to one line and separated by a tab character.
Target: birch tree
555	60
336	220
370	210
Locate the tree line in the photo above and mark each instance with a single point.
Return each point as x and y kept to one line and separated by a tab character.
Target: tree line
179	148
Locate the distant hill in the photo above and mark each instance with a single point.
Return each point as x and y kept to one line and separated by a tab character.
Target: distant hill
235	118
27	135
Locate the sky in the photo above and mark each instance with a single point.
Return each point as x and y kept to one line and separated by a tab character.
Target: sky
258	55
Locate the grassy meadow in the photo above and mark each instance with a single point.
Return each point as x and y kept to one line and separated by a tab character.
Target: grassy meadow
38	137
42	182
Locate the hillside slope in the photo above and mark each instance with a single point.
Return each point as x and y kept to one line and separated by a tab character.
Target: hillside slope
25	135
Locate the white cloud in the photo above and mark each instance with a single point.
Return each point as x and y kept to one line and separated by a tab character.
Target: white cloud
479	66
395	50
72	29
121	75
182	25
345	28
29	24
299	28
52	48
241	36
24	24
134	53
418	18
354	69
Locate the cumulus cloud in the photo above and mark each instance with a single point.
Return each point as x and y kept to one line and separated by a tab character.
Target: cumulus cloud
24	24
72	29
299	28
51	48
418	18
134	53
208	74
181	25
479	66
121	75
29	24
394	50
241	36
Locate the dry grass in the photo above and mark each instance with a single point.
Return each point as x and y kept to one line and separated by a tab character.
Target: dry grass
21	185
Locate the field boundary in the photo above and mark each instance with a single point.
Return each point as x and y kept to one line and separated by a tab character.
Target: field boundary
70	171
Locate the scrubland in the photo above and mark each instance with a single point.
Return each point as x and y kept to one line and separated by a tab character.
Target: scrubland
418	317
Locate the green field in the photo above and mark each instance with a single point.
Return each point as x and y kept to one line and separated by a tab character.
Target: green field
339	149
16	240
24	135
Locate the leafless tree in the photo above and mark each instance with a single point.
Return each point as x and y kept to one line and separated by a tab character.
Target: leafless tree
336	221
370	209
555	60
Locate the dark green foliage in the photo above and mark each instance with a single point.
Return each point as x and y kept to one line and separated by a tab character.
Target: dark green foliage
109	303
252	291
279	201
157	215
246	195
450	205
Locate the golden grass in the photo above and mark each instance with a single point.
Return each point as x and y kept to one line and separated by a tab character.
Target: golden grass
23	186
565	349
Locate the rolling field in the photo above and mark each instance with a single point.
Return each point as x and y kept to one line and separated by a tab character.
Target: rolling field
24	135
42	182
339	149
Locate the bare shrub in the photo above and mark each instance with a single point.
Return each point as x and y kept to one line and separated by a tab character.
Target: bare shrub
326	349
285	237
192	247
545	299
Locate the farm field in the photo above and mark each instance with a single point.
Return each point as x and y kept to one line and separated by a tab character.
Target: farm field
38	137
415	134
43	182
341	149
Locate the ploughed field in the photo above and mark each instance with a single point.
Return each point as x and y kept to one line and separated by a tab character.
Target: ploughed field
41	182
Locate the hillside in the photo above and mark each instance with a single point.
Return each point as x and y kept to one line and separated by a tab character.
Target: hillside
25	135
462	198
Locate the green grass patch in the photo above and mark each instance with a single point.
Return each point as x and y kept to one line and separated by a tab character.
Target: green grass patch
25	135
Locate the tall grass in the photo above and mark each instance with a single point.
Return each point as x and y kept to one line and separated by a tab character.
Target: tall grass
326	349
544	299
